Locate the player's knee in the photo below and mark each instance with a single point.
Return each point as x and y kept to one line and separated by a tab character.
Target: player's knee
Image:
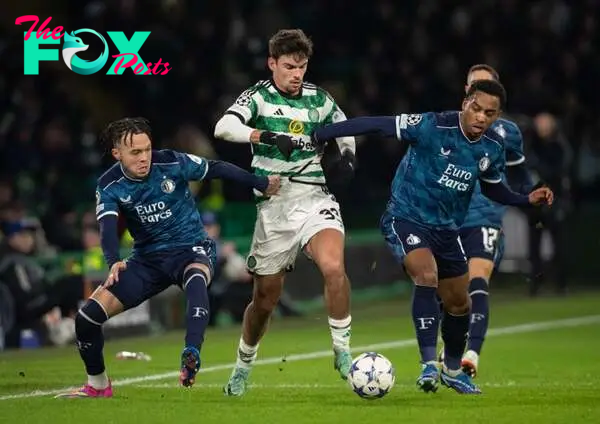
89	318
267	294
333	269
426	277
481	269
457	303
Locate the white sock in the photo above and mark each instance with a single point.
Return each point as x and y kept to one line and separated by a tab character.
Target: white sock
340	332
99	381
246	355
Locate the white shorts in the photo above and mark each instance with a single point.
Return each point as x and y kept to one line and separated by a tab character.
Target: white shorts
286	223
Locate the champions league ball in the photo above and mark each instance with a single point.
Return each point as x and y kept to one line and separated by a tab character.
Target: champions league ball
371	376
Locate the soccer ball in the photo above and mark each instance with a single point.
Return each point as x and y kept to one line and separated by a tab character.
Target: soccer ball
371	376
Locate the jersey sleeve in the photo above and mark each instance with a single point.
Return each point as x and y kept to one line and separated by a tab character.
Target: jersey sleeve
513	144
413	127
245	106
193	168
106	203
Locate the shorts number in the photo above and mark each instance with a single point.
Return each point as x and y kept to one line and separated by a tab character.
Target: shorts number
490	237
199	250
330	214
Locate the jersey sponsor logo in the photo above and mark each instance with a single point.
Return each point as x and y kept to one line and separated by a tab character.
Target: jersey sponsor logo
153	213
414	118
296	127
484	163
167	186
456	178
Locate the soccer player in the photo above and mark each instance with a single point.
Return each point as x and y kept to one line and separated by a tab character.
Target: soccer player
481	232
150	189
449	152
276	117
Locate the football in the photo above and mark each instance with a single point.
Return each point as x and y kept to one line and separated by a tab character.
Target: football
371	376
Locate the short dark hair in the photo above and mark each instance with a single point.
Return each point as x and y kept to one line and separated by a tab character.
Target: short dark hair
484	67
491	87
124	129
292	42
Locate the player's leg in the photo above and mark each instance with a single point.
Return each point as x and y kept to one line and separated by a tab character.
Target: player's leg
103	304
326	248
453	289
481	246
411	247
274	249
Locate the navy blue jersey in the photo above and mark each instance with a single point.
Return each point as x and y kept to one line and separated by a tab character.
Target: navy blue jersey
159	210
484	212
437	177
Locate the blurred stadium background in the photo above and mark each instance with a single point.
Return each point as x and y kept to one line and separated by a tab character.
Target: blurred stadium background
380	57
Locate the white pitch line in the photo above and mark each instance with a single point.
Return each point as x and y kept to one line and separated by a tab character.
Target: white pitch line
514	329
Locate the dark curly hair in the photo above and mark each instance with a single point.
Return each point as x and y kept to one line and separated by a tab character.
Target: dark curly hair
123	130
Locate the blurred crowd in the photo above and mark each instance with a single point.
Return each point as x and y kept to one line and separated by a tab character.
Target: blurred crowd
381	57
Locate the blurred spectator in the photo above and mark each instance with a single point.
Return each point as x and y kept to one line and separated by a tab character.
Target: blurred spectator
550	159
33	297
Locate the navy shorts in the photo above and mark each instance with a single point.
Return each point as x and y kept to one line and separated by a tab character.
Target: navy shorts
403	237
483	242
149	274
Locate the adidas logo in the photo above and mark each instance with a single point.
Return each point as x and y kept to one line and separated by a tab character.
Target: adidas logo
278	112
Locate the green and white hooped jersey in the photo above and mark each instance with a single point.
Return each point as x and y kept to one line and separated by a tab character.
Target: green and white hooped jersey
264	107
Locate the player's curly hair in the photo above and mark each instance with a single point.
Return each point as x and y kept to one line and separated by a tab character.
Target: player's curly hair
292	42
491	87
123	130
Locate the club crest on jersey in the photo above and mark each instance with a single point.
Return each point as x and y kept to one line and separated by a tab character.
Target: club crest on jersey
313	115
414	118
296	127
484	163
167	186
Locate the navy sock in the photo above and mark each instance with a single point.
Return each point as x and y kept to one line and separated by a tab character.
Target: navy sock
195	284
425	312
90	340
480	312
454	334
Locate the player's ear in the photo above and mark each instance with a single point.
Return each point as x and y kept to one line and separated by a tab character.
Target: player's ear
115	153
272	63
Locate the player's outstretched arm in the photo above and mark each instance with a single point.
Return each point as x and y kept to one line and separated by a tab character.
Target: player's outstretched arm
502	194
231	128
384	125
519	178
228	171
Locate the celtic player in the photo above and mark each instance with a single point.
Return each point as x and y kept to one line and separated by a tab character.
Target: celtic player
304	215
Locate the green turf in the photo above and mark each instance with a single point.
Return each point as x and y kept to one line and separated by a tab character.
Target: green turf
541	375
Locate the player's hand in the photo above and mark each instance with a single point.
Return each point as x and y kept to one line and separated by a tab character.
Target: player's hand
284	142
113	276
541	196
274	185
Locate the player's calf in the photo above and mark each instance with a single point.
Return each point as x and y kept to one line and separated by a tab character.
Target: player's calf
90	342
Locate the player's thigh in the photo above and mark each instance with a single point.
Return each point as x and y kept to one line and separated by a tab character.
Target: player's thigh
275	241
201	256
449	254
141	280
482	246
410	245
322	237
